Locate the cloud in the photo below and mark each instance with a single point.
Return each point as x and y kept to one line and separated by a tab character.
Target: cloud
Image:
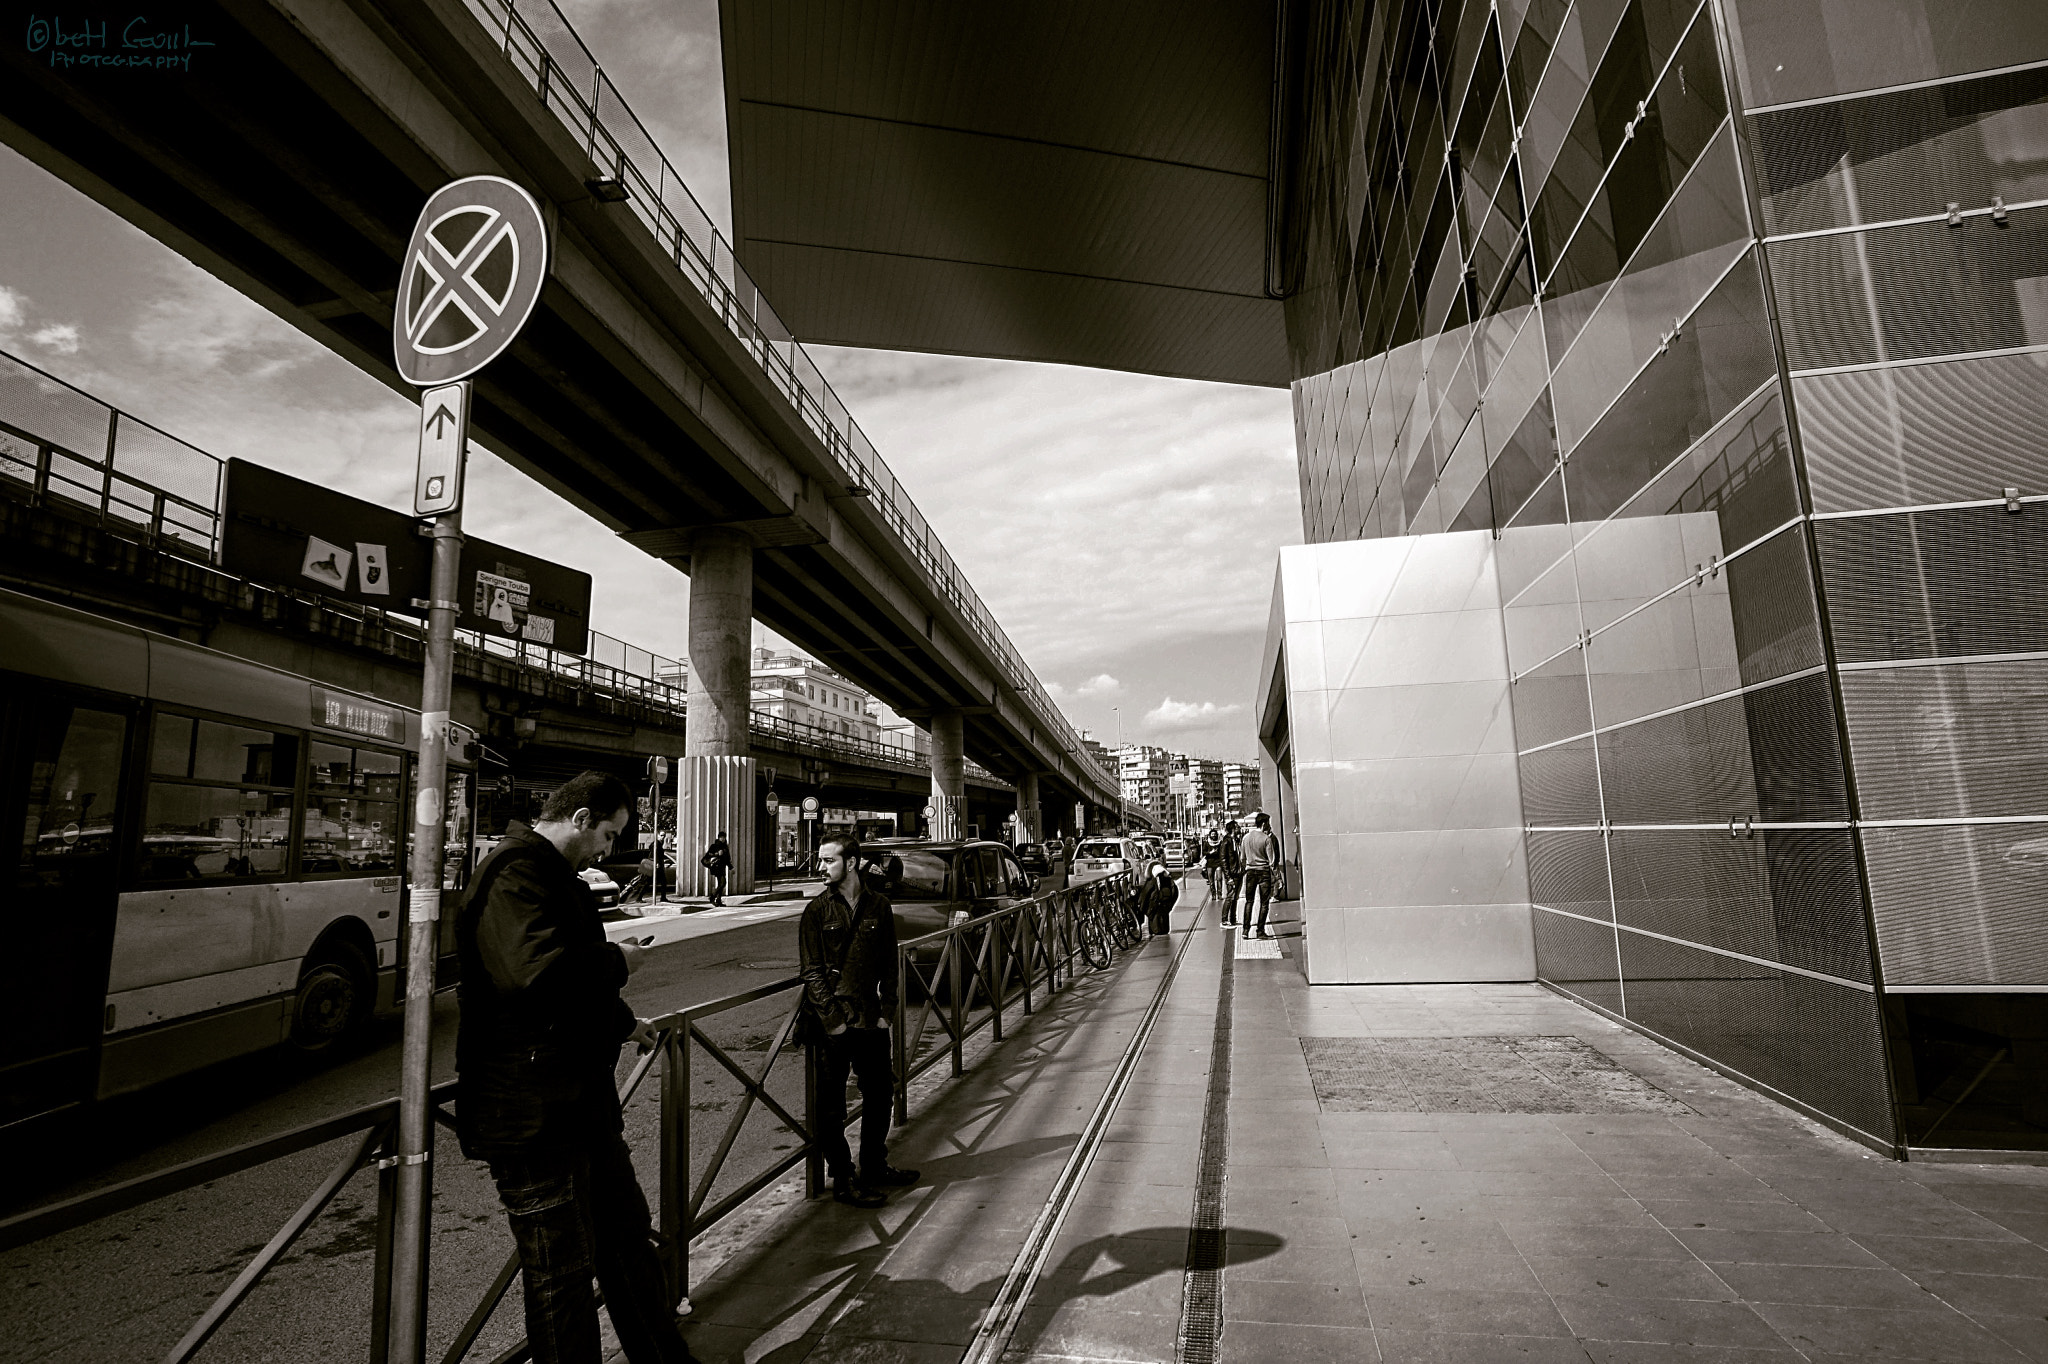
60	337
1176	715
1102	684
12	313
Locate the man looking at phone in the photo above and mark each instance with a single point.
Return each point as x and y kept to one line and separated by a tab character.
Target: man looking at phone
846	954
541	1026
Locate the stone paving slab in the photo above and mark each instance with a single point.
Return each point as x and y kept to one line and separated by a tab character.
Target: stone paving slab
1715	1227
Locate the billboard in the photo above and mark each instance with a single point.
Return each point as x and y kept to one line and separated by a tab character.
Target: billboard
285	531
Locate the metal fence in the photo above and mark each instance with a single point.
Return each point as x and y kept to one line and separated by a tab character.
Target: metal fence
953	984
546	51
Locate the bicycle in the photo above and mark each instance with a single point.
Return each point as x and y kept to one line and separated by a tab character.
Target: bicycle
1091	930
1124	917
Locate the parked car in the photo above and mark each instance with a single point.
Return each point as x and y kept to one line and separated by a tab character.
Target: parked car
935	884
601	885
1176	853
1031	856
1107	856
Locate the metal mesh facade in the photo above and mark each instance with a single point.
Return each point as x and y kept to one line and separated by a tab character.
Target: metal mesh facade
1736	337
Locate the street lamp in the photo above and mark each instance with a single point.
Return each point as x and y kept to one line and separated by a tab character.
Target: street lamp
1122	815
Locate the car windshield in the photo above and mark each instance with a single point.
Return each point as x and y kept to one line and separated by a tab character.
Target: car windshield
905	873
1102	848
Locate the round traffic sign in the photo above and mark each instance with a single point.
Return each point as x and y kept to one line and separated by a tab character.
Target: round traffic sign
657	771
931	812
473	271
773	804
810	805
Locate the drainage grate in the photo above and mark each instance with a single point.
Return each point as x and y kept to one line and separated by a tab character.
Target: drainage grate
1201	1304
1475	1075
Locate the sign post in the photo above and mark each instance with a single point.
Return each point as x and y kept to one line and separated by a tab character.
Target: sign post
473	272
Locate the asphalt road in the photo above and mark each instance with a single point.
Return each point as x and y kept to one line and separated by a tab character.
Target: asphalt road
128	1286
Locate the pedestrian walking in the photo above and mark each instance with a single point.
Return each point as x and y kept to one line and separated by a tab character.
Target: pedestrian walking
1261	853
1156	899
846	954
541	1024
715	860
1233	872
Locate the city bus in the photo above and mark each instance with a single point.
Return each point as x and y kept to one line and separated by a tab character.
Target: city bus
212	857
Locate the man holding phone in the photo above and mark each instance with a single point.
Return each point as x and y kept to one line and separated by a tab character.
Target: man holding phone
541	1026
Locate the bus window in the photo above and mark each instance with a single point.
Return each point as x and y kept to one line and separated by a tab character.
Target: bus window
350	826
60	775
208	816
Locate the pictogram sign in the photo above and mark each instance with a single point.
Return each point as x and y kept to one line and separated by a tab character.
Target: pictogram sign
473	272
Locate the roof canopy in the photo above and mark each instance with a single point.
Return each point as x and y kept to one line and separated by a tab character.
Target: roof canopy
1075	182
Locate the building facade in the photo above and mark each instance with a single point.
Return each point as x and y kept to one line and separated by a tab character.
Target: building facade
1240	788
1146	774
1672	409
805	692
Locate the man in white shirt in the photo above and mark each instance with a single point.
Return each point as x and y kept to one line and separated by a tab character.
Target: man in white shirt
1261	853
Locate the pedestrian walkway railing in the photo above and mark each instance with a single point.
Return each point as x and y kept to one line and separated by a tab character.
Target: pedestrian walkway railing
967	976
373	1129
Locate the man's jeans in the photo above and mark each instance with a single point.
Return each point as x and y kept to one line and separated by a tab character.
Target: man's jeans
575	1213
864	1052
1258	885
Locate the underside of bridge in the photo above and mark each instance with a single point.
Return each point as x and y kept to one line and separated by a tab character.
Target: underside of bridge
291	160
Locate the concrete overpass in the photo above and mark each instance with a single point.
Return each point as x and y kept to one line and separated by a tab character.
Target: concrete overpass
655	388
118	531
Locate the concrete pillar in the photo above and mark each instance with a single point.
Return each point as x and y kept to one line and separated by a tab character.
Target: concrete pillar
717	778
1029	815
949	773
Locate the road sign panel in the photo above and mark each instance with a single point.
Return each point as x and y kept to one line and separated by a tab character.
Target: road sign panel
473	272
289	532
810	805
773	804
444	429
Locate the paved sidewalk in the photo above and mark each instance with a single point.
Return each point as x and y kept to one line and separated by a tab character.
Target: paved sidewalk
1383	1208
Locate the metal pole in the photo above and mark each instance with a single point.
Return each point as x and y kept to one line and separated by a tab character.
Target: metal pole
423	903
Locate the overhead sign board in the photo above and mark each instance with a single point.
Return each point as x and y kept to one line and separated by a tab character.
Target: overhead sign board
473	272
284	530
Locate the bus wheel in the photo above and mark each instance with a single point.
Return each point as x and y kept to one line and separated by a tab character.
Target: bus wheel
336	992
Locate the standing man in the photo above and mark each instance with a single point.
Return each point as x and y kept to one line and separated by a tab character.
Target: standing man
846	954
716	859
1233	872
539	1037
1261	853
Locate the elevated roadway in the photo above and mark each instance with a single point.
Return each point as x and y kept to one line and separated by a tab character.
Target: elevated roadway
654	388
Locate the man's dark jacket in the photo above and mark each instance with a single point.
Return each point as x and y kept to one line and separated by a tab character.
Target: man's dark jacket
848	959
541	1019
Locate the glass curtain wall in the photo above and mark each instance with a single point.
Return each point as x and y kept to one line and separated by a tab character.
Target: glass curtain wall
1755	585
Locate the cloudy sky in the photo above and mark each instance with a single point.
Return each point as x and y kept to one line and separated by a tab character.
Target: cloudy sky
1122	527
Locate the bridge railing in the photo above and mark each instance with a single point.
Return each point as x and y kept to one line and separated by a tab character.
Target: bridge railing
129	484
547	51
968	977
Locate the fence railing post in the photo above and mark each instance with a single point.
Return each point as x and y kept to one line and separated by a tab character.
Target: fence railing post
993	978
958	1003
901	1042
814	1149
675	1147
380	1274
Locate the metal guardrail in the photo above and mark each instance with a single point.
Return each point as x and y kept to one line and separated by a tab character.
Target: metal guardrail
546	51
969	975
113	489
